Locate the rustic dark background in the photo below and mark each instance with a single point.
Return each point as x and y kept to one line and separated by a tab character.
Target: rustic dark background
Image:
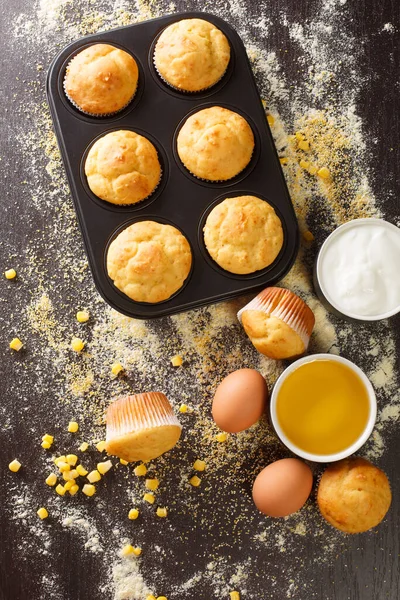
362	567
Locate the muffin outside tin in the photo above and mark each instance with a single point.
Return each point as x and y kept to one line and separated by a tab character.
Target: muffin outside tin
156	113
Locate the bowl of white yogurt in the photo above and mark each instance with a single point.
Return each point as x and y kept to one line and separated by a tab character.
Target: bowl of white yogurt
357	271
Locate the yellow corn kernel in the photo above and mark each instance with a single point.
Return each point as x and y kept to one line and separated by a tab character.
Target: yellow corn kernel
149	497
324	173
176	361
104	467
161	598
101	446
60	459
308	236
312	169
137	551
234	595
70	475
69	485
74	489
46	445
161	512
83	447
16	344
299	136
183	408
63	466
72	459
221	437
304	145
271	120
123	462
80	469
133	514
10	274
195	481
14	466
94	476
73	426
77	344
60	490
152	484
151	597
82	316
48	438
199	465
117	368
88	489
283	160
51	479
304	164
140	470
129	549
42	513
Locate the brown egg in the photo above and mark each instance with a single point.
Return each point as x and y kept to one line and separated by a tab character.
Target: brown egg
240	400
283	487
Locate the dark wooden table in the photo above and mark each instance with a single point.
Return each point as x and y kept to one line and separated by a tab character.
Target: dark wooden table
215	537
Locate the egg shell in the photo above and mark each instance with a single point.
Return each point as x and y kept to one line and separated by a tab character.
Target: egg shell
240	400
283	487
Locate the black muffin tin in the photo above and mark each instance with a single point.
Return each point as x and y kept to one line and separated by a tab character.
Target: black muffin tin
157	112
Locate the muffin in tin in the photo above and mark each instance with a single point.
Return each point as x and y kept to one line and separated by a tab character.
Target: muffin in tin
243	234
101	80
191	55
215	144
149	261
122	167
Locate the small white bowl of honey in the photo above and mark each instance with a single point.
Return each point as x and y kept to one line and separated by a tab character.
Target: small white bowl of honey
323	407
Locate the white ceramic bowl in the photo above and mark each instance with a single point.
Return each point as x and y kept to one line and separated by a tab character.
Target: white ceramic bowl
324	458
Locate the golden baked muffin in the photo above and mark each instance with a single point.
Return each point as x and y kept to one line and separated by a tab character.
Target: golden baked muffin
141	427
149	261
354	495
101	79
122	167
278	323
243	234
215	144
192	55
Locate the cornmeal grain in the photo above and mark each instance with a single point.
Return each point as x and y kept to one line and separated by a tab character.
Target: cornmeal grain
243	234
149	261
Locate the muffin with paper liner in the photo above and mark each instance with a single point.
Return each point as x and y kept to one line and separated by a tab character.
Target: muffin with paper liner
141	427
278	323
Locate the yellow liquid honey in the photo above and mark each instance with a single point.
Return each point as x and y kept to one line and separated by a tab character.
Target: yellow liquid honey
322	407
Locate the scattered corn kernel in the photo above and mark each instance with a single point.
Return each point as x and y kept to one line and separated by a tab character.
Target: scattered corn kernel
221	437
151	597
123	462
234	595
80	469
149	497
176	361
117	368
59	459
10	274
312	169
51	479
14	466
82	316
69	485
271	120
161	598
104	467
308	236
48	438
140	470
304	145
324	173
101	446
88	489
199	465
74	489
133	514
77	344
60	490
137	551
70	475
283	160
195	481
183	408
299	136
46	445
152	484
129	549
72	459
63	466
42	513
161	512
16	344
304	164
73	426
94	476
83	447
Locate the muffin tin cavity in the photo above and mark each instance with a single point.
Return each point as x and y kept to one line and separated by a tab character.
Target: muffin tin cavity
157	112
